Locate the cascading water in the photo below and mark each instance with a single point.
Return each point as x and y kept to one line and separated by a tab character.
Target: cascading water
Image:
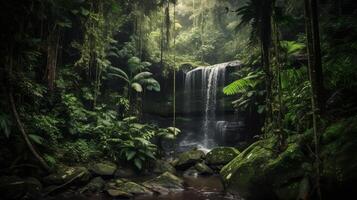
212	78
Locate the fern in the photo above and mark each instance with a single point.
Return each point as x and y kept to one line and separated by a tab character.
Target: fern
242	84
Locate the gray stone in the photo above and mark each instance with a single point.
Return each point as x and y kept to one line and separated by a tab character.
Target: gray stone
203	169
104	168
165	183
65	173
189	158
221	155
162	166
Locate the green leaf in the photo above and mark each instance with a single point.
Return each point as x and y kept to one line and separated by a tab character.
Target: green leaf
141	76
137	87
138	163
36	138
135	65
119	73
84	11
174	130
241	85
151	84
130	154
5	125
149	154
130	119
261	109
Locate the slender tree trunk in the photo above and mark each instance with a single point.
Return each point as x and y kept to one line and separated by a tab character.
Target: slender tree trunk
174	73
315	69
168	24
315	76
202	29
265	38
162	37
279	128
52	55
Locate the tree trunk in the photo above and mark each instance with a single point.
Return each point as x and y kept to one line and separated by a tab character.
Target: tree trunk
52	54
265	38
315	76
315	65
162	37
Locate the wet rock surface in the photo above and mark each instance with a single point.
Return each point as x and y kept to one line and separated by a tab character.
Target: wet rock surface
189	158
104	168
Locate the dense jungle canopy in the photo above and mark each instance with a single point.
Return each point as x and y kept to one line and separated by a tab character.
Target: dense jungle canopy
178	99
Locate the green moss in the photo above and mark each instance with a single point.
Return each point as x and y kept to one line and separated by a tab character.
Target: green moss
189	158
221	155
259	166
338	152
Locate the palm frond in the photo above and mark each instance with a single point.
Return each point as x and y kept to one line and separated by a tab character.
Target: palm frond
137	87
151	84
119	73
118	76
141	76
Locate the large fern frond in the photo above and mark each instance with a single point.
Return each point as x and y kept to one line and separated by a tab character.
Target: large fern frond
237	86
241	85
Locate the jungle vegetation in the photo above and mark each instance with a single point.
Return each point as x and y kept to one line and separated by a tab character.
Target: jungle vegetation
74	73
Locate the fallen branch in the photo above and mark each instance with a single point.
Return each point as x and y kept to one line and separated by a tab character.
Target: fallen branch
64	184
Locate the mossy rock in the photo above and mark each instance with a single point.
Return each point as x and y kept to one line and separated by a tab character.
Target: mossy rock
189	158
118	193
65	173
221	155
165	183
125	172
95	185
125	188
338	155
203	169
162	166
259	171
104	168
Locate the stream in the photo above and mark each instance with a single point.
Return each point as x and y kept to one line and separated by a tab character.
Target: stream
196	188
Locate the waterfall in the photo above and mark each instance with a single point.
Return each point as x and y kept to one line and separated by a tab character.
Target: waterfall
190	85
204	81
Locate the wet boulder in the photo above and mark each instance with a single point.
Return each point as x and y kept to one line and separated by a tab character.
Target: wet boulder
118	193
189	158
65	174
104	168
95	185
165	183
161	166
260	172
125	188
203	169
338	155
221	155
124	172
